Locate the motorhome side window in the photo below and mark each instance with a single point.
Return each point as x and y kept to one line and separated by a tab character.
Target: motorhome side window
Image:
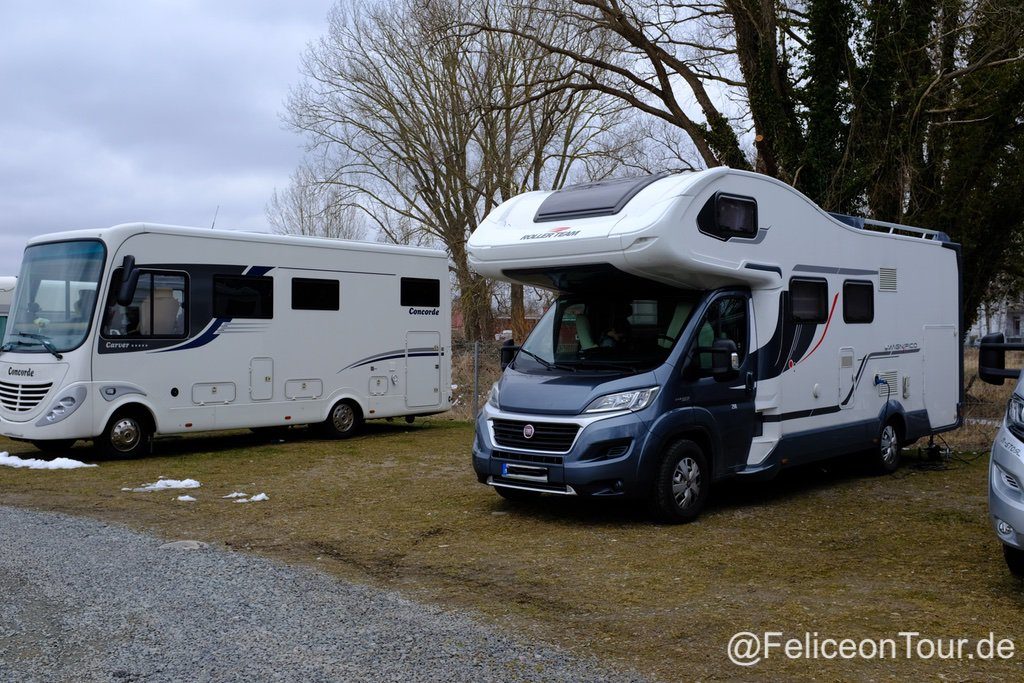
243	296
310	294
159	308
726	319
808	300
421	292
858	302
725	215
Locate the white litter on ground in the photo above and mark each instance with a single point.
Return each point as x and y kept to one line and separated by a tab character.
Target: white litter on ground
236	494
163	484
255	499
186	499
36	464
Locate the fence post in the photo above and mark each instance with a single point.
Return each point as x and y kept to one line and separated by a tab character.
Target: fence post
476	377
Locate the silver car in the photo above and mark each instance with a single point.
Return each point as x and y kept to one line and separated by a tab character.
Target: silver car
1006	466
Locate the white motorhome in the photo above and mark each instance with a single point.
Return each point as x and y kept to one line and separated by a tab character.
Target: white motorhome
711	324
138	330
7	284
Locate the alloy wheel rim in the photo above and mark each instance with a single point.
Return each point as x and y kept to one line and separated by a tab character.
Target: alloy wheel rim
343	417
125	434
685	482
889	445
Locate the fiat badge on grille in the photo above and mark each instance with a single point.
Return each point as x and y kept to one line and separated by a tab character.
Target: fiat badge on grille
528	432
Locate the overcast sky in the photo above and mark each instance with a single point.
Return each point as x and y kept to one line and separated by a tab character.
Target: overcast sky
151	110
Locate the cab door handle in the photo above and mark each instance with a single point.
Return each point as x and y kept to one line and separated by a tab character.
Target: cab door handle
750	383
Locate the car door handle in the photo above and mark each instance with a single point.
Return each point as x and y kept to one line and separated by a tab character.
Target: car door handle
750	383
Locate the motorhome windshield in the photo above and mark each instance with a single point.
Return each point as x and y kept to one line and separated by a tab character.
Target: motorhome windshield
55	297
625	332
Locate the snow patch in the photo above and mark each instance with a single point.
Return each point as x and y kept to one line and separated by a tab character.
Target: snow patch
163	484
186	499
36	464
236	494
255	499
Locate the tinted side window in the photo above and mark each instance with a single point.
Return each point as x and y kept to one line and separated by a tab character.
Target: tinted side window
309	294
858	302
808	300
421	292
242	296
725	215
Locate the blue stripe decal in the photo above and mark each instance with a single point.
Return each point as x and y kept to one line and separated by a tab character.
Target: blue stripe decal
203	339
392	355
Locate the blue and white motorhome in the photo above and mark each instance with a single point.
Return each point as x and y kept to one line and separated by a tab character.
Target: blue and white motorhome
711	324
125	333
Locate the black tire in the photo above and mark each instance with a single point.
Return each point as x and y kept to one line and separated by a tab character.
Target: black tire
1014	560
681	484
127	435
886	455
344	420
516	495
54	446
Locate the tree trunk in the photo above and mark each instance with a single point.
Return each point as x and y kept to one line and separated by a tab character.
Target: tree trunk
520	329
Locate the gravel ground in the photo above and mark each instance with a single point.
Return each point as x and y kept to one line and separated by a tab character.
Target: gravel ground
84	600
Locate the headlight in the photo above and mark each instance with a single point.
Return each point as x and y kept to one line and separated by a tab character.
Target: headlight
637	399
1015	414
492	397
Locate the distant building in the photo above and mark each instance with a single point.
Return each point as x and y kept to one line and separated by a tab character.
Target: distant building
1004	316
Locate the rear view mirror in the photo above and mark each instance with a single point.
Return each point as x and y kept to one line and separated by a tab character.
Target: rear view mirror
129	281
508	352
992	359
725	358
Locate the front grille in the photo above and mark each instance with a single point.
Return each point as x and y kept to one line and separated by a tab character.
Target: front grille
547	436
529	457
20	398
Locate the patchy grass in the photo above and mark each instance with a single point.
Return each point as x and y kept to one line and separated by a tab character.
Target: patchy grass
823	548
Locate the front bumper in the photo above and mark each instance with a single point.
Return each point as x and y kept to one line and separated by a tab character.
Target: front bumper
1006	486
602	460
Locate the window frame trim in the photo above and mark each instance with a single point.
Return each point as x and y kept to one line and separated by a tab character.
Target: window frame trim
810	280
859	283
186	304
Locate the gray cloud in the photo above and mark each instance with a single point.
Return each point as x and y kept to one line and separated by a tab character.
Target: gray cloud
158	111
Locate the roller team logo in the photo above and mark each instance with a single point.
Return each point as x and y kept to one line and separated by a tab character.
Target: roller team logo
553	232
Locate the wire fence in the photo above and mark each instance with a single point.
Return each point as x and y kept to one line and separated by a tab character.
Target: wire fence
475	367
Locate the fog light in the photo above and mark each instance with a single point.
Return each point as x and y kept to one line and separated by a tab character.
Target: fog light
1003	528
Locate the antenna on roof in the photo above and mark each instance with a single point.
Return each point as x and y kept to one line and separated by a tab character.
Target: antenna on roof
215	212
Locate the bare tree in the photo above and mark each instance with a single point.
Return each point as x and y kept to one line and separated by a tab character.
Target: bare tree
430	127
308	207
910	111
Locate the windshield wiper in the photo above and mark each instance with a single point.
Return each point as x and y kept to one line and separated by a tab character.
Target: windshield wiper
547	365
43	340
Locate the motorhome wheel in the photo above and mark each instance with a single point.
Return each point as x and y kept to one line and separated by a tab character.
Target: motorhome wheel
126	435
343	421
887	459
682	483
